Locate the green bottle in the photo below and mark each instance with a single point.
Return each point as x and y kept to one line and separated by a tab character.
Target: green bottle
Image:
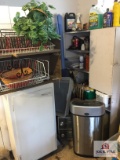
95	17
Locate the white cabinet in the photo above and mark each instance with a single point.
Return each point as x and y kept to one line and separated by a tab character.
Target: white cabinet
104	58
104	74
31	121
4	137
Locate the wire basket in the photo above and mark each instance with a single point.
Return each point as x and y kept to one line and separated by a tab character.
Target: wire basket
30	72
11	43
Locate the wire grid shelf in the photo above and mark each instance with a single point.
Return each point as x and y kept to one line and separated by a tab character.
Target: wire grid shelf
40	73
11	43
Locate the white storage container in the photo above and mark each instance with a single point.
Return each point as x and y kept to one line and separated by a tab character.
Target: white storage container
103	98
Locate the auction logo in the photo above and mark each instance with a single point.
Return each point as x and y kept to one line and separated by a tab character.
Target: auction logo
105	149
105	146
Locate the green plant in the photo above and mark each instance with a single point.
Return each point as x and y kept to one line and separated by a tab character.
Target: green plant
37	25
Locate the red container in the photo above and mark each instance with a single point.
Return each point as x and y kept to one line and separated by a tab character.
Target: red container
87	63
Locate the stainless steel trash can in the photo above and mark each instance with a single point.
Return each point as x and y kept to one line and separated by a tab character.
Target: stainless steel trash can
87	117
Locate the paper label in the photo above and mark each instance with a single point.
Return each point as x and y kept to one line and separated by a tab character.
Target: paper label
93	20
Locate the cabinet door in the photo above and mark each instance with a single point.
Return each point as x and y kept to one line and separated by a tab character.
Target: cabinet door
4	136
32	116
101	59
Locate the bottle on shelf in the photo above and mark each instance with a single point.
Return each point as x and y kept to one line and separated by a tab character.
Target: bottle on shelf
83	47
116	14
107	19
96	17
87	62
78	22
86	43
76	43
81	59
70	22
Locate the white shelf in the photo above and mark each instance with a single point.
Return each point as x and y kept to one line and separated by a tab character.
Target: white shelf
74	32
78	51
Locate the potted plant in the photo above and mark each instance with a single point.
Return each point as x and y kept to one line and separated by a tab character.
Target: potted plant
37	24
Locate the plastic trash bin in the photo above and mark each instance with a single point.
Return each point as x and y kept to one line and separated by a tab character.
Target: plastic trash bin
87	117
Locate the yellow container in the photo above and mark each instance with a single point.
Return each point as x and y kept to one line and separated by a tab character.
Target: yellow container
116	12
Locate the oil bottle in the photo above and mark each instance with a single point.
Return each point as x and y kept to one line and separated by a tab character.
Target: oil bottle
107	19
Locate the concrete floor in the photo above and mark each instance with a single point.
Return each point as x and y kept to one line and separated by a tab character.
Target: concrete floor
67	153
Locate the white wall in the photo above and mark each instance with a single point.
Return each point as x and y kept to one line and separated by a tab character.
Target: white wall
107	4
9	9
84	7
60	5
63	6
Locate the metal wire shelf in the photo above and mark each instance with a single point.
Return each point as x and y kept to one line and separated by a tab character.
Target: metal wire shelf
40	73
11	43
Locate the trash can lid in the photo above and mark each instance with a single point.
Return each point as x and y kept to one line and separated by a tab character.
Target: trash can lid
87	107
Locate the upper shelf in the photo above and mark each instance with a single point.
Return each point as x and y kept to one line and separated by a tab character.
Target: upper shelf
3	56
78	51
84	32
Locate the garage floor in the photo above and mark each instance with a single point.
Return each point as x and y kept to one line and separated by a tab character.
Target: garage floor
67	153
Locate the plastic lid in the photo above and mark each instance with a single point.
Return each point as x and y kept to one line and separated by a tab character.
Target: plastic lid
87	107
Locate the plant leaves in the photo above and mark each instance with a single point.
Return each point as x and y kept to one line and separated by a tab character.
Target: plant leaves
17	14
44	6
41	23
50	6
41	47
36	25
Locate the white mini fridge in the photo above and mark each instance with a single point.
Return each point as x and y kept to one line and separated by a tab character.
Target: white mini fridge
31	120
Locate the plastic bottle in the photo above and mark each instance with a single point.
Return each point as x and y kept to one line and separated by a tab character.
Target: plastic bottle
116	13
96	17
70	22
108	19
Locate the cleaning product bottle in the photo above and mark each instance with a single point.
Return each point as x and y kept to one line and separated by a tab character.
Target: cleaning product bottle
108	19
70	22
116	13
96	17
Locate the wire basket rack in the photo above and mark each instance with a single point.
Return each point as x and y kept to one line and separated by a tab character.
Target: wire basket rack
39	73
11	43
